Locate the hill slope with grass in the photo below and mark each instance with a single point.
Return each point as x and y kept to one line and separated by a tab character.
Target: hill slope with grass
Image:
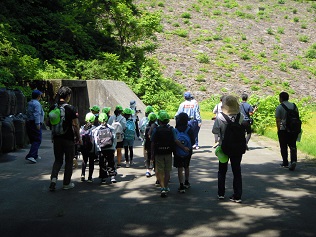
255	46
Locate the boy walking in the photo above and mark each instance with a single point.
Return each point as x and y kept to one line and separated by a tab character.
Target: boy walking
182	158
163	140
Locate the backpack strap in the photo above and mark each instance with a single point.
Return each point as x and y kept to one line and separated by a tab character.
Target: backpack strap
228	120
247	113
286	108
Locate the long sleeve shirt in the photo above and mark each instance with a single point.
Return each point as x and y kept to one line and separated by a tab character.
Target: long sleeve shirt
191	108
35	111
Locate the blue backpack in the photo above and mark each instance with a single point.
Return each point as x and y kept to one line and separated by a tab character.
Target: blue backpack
129	133
184	138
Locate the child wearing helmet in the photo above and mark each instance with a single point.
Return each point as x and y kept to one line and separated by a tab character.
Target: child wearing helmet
95	110
87	146
129	136
152	117
118	122
163	141
105	142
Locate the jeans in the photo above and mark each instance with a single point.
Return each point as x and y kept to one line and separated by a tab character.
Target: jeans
237	180
63	147
286	140
35	137
194	125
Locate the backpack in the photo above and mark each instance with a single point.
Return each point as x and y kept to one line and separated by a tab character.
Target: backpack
129	133
104	137
86	136
184	138
143	126
234	142
57	119
293	123
164	140
118	130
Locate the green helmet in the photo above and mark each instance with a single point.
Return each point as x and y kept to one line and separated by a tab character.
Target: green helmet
90	117
163	116
152	117
149	109
128	111
103	117
106	110
95	108
119	108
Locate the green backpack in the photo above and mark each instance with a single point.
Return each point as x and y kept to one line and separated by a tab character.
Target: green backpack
57	118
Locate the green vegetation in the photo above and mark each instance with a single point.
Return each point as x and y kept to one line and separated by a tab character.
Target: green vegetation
84	40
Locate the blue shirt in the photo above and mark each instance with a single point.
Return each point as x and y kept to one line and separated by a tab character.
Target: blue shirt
191	108
245	109
35	111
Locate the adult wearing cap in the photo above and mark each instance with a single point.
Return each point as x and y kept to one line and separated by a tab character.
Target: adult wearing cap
192	109
230	108
118	118
35	118
135	118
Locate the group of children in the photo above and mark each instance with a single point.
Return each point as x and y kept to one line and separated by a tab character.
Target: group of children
103	134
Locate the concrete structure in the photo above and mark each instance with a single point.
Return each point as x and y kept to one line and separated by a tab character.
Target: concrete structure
104	93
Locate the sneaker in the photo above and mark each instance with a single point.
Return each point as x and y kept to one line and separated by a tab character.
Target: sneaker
82	178
148	174
197	147
167	189
292	166
220	197
187	185
90	180
163	192
52	186
38	158
103	181
32	160
113	180
194	146
233	199
157	183
69	186
127	165
215	145
140	139
284	166
181	189
131	163
118	166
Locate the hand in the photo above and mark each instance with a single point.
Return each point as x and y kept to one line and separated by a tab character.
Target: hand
187	149
200	124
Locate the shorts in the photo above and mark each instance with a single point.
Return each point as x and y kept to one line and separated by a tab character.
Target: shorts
119	145
163	162
128	142
180	162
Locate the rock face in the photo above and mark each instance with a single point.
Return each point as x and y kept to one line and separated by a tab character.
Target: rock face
250	46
